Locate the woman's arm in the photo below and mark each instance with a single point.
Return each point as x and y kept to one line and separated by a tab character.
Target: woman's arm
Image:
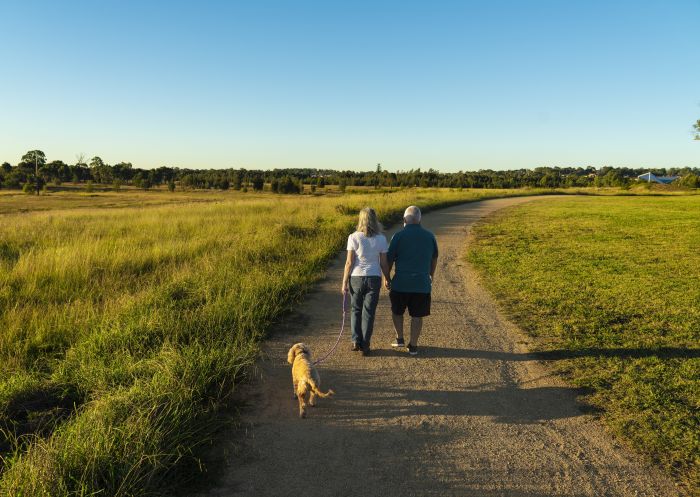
349	262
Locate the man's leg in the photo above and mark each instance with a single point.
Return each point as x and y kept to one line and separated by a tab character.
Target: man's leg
416	327
397	319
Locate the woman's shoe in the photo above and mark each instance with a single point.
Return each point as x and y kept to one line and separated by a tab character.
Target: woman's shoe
355	347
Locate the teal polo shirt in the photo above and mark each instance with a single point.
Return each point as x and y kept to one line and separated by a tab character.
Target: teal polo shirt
412	250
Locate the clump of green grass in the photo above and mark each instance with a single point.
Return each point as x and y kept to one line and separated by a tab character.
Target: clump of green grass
124	330
610	289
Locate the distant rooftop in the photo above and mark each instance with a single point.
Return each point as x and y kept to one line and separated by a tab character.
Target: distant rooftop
650	177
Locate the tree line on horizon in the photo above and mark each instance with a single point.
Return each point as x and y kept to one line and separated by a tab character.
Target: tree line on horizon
96	171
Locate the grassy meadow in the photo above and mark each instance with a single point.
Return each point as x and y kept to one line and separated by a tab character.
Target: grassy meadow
609	287
128	318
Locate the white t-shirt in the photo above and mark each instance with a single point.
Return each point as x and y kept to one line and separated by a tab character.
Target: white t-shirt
367	252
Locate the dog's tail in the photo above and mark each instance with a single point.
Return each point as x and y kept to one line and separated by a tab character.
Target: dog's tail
318	391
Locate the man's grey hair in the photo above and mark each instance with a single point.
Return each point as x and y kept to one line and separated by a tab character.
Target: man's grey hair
412	215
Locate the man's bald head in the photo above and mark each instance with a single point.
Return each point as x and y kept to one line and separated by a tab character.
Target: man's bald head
412	215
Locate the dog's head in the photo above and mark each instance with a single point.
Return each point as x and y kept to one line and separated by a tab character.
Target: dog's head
297	348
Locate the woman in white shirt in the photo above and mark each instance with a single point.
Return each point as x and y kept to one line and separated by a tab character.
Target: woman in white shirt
364	266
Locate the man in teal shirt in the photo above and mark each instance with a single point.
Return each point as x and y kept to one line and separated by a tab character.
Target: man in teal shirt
414	250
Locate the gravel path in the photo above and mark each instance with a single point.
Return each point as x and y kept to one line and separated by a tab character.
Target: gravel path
472	415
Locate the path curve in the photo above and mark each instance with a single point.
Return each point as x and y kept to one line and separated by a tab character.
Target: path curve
472	415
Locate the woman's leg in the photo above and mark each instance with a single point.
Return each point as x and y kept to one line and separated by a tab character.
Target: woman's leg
356	300
373	285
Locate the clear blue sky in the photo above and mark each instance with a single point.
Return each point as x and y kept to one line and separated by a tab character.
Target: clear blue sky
450	85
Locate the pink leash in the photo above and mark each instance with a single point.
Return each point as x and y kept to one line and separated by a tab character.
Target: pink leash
342	328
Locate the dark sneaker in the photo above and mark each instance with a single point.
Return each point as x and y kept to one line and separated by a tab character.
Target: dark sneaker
365	350
412	349
398	343
355	347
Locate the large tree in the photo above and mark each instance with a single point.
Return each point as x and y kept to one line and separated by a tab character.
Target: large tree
34	156
30	162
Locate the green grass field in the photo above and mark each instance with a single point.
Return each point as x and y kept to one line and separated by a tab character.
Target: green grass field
128	318
610	289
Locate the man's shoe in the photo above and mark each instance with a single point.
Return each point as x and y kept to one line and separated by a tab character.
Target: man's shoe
412	349
365	350
355	347
398	343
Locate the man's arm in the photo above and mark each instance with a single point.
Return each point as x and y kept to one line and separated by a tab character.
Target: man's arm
390	257
433	262
386	270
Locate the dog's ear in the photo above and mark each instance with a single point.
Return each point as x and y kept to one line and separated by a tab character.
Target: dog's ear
305	349
292	353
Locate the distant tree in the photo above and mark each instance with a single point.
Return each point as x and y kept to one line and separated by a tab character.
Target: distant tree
34	156
171	185
237	181
613	178
31	161
321	182
96	162
342	184
122	171
13	179
696	126
258	183
288	184
6	167
274	185
101	172
80	170
138	179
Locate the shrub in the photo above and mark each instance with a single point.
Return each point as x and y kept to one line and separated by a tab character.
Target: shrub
689	181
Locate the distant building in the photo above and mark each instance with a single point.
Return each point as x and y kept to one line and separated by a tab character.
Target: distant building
649	177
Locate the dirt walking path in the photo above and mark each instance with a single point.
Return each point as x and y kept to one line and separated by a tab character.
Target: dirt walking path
472	415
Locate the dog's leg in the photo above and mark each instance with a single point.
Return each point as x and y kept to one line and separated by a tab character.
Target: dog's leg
302	404
294	390
312	399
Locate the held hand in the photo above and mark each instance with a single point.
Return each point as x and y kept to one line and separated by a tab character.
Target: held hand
387	284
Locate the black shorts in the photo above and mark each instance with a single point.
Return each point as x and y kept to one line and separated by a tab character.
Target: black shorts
418	303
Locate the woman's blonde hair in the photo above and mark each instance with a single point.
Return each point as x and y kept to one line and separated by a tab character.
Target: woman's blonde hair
368	223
